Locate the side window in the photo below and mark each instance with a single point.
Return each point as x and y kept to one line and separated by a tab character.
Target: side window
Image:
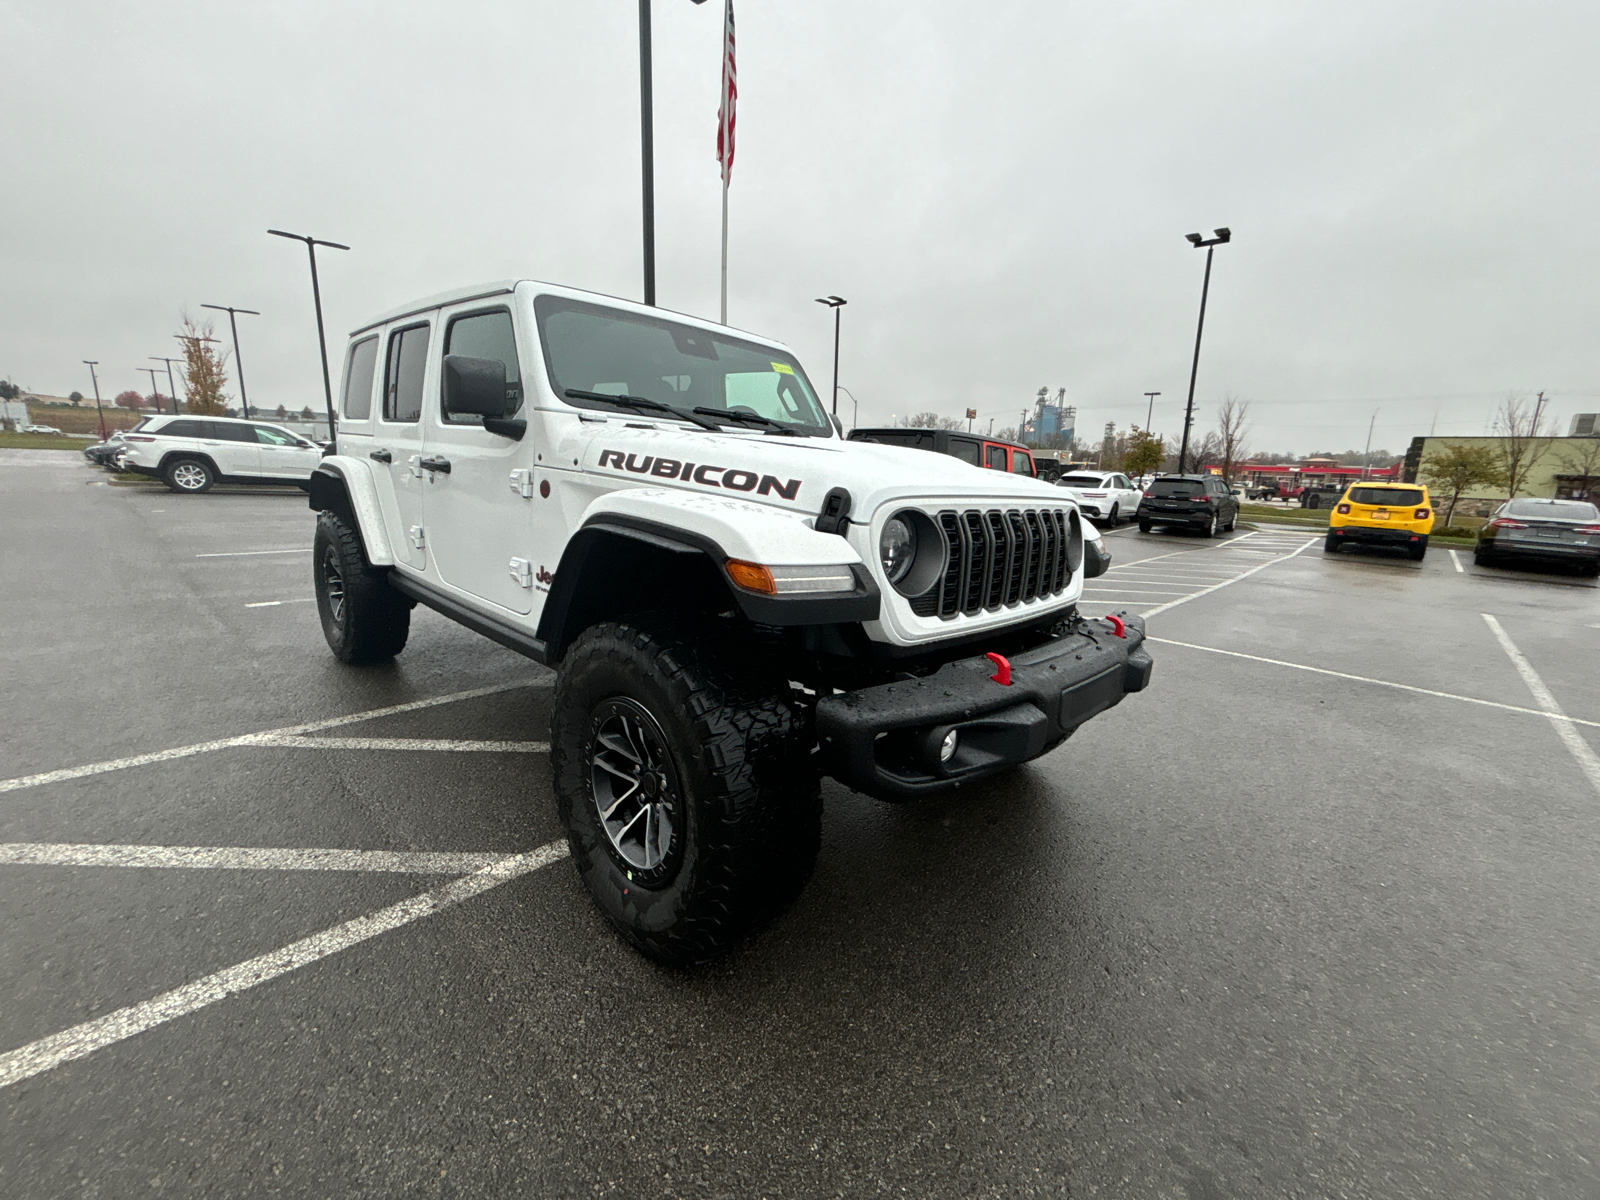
1021	463
272	437
358	380
966	451
227	431
486	335
192	429
402	381
997	458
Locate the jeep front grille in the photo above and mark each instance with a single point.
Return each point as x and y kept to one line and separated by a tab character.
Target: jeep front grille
997	558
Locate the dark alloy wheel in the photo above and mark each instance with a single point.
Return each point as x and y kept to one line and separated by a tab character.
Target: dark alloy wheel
683	777
189	476
363	619
634	787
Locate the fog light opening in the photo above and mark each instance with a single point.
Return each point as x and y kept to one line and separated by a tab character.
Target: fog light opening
947	747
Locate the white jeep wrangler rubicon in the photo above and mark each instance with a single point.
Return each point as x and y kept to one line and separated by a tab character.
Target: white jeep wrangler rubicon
736	600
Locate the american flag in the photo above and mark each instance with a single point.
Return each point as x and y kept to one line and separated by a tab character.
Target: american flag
730	97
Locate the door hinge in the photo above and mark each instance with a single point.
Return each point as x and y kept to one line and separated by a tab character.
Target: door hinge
522	483
521	571
417	538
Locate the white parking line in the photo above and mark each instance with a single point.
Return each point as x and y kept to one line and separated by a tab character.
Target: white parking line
245	858
1456	559
1388	683
139	760
85	1039
275	603
254	553
1588	760
1206	591
292	742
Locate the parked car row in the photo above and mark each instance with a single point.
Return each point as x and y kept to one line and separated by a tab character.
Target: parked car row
191	454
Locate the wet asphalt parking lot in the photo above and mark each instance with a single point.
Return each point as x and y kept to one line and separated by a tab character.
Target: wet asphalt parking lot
1313	916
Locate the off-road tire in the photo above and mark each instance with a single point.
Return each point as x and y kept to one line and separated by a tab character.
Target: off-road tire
1144	526
1331	544
189	476
364	619
748	807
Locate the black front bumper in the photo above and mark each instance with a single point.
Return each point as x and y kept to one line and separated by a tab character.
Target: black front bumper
885	740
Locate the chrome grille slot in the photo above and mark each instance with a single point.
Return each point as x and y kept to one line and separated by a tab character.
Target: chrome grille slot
998	558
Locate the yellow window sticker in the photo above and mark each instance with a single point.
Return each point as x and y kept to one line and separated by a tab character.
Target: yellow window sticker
783	368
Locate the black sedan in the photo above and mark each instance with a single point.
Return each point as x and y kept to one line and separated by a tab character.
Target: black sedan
1550	531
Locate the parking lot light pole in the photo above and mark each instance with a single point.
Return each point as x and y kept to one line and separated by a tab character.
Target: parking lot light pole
1223	236
170	383
835	303
855	406
1151	412
647	151
316	298
155	390
238	363
100	412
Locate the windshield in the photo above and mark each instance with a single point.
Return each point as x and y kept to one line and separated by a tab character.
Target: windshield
1553	510
1177	487
590	348
1092	481
1399	497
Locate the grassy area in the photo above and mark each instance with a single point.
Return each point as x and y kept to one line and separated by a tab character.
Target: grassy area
39	441
82	419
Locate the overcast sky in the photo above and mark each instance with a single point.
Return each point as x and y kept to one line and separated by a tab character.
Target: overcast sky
1000	190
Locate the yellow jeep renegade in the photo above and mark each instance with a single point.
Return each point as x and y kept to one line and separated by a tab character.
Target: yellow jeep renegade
1381	514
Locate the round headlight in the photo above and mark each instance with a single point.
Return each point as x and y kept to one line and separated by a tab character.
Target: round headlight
897	548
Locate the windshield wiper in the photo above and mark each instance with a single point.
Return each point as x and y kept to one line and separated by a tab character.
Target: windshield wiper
645	403
748	418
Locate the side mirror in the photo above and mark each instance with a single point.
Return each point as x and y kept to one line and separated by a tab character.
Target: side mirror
476	386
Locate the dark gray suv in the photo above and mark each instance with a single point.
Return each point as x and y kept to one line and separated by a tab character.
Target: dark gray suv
1201	502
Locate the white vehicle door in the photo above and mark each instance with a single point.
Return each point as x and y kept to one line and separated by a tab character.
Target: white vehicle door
285	456
480	485
233	448
1128	495
397	440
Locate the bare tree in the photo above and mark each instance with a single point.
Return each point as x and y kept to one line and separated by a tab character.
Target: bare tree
1583	460
1521	444
1232	430
931	420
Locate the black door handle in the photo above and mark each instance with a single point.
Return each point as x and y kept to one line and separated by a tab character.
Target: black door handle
381	456
435	464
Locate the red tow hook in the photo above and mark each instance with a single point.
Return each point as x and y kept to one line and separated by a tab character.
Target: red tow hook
1002	669
1117	625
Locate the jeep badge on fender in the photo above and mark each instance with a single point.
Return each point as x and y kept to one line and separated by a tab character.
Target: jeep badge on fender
736	601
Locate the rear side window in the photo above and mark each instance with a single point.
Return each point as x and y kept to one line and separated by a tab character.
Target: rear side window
966	451
997	458
402	381
358	380
1021	464
1399	497
192	429
486	335
227	431
1178	487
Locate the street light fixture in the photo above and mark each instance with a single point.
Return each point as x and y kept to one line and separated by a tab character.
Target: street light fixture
316	297
1150	414
92	363
855	406
170	384
647	151
238	363
835	303
156	390
1223	236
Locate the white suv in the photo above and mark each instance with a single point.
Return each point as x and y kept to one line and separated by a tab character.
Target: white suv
1104	496
192	453
735	599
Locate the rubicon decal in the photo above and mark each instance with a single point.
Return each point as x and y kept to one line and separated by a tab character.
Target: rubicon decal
735	479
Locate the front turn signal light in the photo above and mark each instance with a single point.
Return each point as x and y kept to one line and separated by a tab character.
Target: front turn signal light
790	581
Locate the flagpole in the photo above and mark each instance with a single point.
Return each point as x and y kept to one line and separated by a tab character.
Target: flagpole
724	247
